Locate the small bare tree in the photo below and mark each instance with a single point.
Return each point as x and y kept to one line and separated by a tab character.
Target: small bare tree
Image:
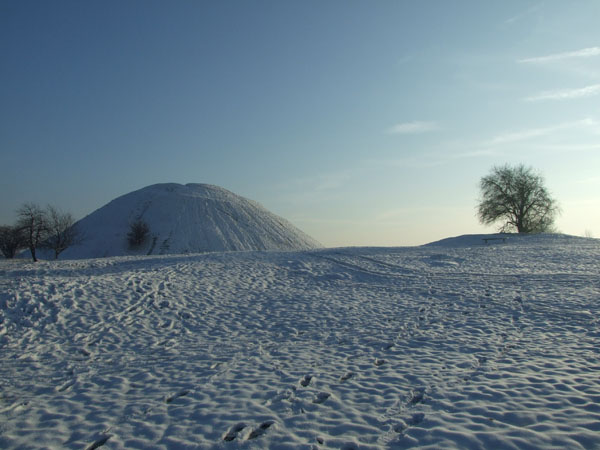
138	233
11	241
33	223
61	230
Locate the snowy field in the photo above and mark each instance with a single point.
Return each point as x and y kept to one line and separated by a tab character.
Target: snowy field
453	345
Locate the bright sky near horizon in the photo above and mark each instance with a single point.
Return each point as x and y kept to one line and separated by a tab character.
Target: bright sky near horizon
363	123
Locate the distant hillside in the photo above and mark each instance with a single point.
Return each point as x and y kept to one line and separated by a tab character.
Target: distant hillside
187	218
474	240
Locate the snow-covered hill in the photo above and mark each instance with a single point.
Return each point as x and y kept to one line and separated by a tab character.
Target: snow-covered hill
460	345
187	218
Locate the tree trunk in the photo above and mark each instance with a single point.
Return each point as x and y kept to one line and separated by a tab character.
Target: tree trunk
520	224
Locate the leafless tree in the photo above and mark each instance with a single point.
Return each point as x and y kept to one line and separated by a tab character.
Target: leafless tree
62	233
517	197
11	241
33	222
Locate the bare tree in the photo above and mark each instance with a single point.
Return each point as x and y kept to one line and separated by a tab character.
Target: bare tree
62	233
517	197
138	233
11	241
32	221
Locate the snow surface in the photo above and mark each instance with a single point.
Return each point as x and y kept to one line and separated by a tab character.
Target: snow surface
187	218
453	345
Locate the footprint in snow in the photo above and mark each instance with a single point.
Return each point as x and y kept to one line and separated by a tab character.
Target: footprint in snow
99	443
260	430
233	432
346	376
66	386
415	419
321	397
416	396
400	427
305	381
177	395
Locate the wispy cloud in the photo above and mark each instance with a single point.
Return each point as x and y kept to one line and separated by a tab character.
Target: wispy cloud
523	14
522	135
582	53
516	136
413	127
566	94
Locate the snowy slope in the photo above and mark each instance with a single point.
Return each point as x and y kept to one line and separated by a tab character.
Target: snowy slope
460	345
187	218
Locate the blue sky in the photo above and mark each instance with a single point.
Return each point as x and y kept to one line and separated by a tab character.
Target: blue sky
363	123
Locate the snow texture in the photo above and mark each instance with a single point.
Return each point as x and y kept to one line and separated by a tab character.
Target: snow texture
458	344
189	218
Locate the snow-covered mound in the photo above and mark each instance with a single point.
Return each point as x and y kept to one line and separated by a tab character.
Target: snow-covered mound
431	347
187	218
474	240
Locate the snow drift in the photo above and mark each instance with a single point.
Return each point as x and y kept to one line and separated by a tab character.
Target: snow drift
189	218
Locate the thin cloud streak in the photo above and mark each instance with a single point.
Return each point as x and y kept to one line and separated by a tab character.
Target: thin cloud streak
524	14
413	127
566	94
519	136
583	53
522	135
